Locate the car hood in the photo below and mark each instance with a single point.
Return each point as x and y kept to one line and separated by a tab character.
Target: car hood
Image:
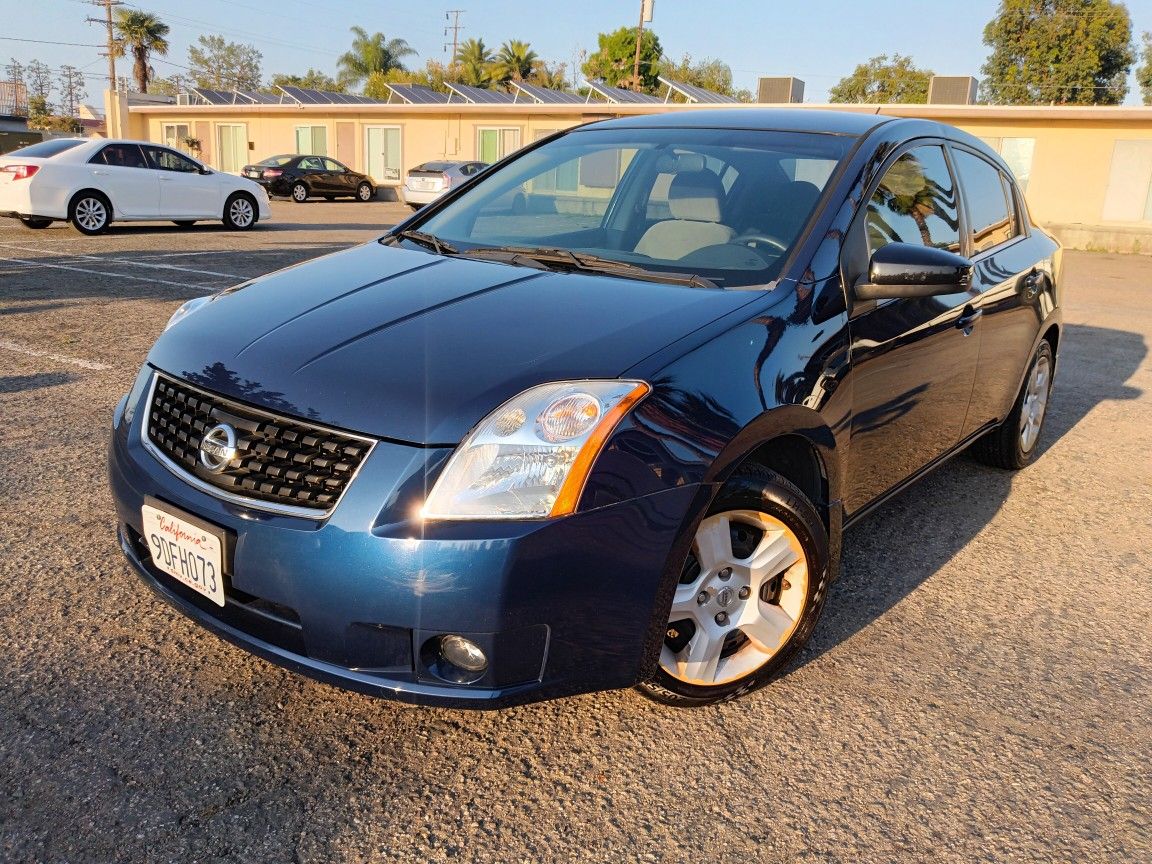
415	347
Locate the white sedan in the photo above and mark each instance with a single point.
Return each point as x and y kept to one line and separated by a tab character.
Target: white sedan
92	183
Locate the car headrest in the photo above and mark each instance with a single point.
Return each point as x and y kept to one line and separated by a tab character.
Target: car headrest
696	195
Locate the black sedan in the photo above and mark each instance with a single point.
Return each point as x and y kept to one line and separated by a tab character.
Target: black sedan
302	177
612	438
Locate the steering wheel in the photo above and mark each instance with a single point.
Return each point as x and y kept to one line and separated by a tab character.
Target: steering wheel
752	238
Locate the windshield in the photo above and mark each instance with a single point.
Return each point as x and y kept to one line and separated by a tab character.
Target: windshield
722	204
46	149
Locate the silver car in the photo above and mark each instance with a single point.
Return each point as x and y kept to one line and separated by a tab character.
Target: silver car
427	182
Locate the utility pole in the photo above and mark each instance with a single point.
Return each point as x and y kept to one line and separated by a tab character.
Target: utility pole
645	15
455	27
107	22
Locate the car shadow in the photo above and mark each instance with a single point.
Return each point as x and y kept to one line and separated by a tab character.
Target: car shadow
23	383
894	550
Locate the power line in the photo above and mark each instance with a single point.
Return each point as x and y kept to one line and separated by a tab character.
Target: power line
111	49
49	42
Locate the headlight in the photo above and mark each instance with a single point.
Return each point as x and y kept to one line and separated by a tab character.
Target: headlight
529	458
187	309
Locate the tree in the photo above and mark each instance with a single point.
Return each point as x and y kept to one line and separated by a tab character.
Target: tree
313	79
40	116
39	78
72	91
883	81
14	71
473	63
550	76
141	34
714	75
515	61
1144	70
375	53
221	65
1064	52
612	63
433	76
171	86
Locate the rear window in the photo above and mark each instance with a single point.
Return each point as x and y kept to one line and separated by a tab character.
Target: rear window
436	166
276	161
47	149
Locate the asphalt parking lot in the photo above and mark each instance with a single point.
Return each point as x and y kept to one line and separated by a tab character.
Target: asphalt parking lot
977	691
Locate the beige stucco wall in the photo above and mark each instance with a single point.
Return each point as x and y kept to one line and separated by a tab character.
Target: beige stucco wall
1070	172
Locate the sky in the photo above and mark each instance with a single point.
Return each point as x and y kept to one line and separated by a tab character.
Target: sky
818	41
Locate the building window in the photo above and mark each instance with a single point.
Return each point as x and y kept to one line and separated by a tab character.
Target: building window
174	135
1129	196
312	140
1017	152
493	144
233	146
382	153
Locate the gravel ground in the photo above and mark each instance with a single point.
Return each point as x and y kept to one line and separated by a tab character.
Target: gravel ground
978	689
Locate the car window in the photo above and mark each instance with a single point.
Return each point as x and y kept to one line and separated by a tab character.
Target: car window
915	202
170	160
333	165
46	149
311	163
120	156
989	214
276	161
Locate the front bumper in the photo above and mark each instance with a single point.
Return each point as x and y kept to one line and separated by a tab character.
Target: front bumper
560	607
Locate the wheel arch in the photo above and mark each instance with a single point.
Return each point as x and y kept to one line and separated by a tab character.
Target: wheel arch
91	190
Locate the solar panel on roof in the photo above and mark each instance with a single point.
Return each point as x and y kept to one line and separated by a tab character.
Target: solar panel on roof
255	97
213	97
545	96
481	95
415	94
620	95
696	94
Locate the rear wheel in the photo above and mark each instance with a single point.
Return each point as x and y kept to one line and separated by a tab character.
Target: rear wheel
90	213
240	211
1013	443
749	595
364	192
34	222
299	193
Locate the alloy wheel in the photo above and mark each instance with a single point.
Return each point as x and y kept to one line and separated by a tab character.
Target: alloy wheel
1035	402
299	192
241	213
91	214
742	593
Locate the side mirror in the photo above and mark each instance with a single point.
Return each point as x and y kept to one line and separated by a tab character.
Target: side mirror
907	270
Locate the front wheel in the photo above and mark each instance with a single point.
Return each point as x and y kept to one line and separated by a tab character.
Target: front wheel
364	192
1013	443
240	212
34	222
749	594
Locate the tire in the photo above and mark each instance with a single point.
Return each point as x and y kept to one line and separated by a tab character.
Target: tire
755	618
183	223
34	222
240	213
365	192
1013	444
90	212
299	193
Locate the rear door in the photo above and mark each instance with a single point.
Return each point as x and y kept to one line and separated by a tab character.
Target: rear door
184	191
1009	281
121	172
340	179
311	170
913	360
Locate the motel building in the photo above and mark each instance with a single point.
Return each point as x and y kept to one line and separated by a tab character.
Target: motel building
1086	171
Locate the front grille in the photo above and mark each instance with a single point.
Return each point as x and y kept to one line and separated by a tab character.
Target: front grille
281	462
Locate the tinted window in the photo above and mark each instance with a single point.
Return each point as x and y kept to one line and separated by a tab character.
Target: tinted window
46	149
276	161
169	160
915	203
436	166
989	215
310	163
333	165
120	156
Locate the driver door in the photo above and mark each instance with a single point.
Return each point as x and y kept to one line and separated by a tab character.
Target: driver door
913	360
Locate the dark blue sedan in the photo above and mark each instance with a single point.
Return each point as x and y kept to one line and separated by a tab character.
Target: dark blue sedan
608	437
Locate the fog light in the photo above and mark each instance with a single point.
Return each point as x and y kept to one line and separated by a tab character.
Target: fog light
463	653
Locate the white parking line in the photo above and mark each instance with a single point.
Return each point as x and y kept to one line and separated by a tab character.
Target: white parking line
59	358
105	274
105	260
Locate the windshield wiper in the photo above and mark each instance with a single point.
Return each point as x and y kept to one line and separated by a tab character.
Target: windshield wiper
440	247
566	259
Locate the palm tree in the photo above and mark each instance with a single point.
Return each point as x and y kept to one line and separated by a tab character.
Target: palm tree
143	34
514	61
375	53
550	77
473	63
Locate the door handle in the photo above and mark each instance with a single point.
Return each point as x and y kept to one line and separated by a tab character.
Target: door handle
1033	283
165	179
968	320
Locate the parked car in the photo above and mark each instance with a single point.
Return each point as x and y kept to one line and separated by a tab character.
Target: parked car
428	181
495	458
93	183
301	177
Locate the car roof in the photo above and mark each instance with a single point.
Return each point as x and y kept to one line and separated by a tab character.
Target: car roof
775	119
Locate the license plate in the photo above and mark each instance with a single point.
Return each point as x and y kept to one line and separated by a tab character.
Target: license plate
188	553
251	173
